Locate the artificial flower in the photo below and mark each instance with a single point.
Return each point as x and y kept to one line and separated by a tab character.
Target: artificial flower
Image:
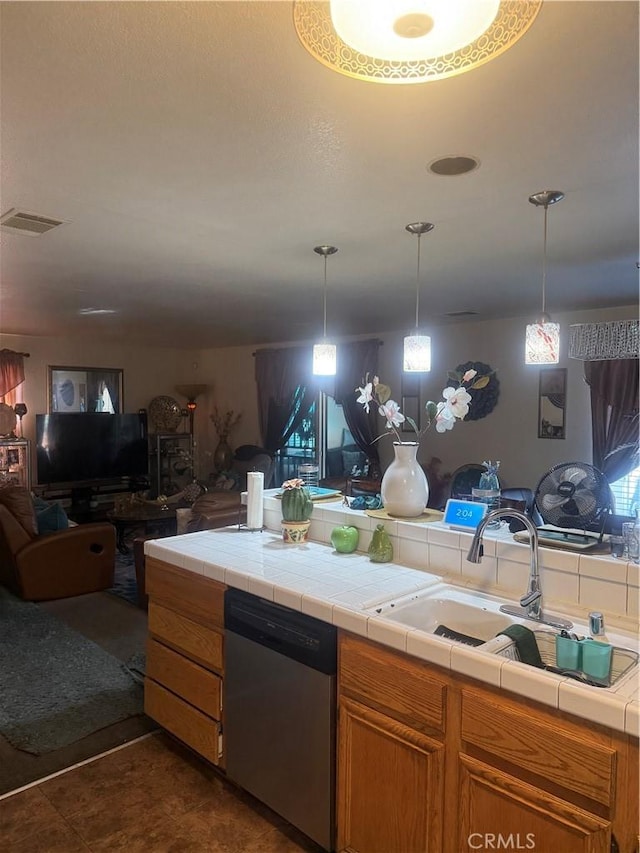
391	411
366	396
454	405
457	400
295	483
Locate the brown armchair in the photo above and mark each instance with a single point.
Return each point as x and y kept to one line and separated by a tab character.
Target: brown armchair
62	564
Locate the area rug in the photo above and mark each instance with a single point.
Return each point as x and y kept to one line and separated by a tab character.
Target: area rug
124	578
56	686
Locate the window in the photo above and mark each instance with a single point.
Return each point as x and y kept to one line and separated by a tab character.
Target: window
626	491
324	438
300	448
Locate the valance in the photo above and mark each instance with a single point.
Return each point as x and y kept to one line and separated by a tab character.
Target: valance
603	341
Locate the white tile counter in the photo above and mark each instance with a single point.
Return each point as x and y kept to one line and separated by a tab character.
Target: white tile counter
339	588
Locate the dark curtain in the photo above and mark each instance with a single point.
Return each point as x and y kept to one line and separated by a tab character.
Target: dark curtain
11	372
614	415
285	393
355	360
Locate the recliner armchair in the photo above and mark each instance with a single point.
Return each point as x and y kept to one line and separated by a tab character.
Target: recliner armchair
41	567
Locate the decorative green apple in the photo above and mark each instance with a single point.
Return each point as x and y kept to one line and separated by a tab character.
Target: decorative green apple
345	538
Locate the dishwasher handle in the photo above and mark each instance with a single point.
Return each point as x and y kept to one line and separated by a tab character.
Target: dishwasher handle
303	638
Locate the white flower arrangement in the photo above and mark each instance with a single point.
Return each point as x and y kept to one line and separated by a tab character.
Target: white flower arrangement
454	405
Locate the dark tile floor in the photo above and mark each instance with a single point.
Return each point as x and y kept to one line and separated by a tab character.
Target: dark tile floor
153	796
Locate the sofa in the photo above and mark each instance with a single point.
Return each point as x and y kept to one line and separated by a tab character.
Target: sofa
247	457
210	511
56	563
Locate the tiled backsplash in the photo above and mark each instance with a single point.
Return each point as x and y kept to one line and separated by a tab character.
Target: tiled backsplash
581	581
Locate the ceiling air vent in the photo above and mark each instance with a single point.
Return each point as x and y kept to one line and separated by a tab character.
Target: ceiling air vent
462	314
30	224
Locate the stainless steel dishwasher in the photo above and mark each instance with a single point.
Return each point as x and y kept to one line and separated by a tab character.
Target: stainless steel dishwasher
279	710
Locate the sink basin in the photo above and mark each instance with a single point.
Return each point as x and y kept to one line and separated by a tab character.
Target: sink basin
470	618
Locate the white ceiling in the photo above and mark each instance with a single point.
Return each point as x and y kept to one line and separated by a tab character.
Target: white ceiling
200	153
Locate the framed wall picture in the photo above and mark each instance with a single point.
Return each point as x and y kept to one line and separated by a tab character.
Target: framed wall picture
85	389
552	402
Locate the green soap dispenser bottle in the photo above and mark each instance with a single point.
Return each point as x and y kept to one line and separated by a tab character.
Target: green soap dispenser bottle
380	549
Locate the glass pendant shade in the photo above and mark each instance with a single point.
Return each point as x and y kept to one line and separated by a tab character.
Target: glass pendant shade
542	344
324	353
324	359
417	347
542	340
417	354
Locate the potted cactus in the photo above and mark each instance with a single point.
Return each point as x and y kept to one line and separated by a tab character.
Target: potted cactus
296	511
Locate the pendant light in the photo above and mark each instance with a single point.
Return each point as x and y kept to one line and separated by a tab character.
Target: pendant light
417	347
324	353
542	345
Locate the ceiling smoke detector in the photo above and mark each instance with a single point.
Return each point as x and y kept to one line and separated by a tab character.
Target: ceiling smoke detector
29	224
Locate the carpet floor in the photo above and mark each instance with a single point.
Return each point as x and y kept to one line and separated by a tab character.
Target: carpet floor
120	629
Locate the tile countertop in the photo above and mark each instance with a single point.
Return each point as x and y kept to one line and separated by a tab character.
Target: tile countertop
339	588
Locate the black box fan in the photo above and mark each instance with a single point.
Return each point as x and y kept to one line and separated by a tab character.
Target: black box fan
573	495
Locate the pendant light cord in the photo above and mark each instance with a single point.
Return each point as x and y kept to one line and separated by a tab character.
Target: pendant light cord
418	284
324	326
544	261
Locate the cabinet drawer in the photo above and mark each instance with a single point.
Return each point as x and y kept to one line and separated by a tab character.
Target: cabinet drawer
392	682
198	686
198	597
188	724
199	642
552	750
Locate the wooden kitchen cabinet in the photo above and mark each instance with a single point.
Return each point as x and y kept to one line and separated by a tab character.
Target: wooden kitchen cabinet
443	764
390	751
185	663
492	801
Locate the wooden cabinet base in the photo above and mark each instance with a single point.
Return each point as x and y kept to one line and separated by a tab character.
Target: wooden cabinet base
184	721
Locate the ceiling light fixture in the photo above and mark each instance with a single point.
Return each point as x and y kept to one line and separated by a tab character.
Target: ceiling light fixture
417	347
410	41
324	353
542	345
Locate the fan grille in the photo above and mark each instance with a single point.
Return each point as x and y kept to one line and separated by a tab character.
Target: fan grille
573	494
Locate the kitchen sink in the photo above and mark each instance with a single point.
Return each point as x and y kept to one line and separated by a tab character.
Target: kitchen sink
470	618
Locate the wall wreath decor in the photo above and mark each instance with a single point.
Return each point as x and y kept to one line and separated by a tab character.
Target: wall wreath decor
483	400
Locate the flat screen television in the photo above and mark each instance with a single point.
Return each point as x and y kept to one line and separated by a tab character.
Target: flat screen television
87	448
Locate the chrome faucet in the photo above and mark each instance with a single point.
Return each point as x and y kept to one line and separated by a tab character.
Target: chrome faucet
531	601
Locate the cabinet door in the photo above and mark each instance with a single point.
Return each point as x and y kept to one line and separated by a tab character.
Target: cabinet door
496	811
390	784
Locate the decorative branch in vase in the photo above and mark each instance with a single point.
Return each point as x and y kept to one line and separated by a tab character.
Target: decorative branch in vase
224	424
404	487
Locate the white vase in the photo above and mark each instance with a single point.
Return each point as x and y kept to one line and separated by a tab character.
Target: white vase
404	488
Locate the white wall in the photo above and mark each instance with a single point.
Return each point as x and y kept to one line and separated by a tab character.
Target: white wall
509	433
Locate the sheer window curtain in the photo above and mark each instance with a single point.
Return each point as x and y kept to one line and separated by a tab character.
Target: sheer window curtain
614	415
11	376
